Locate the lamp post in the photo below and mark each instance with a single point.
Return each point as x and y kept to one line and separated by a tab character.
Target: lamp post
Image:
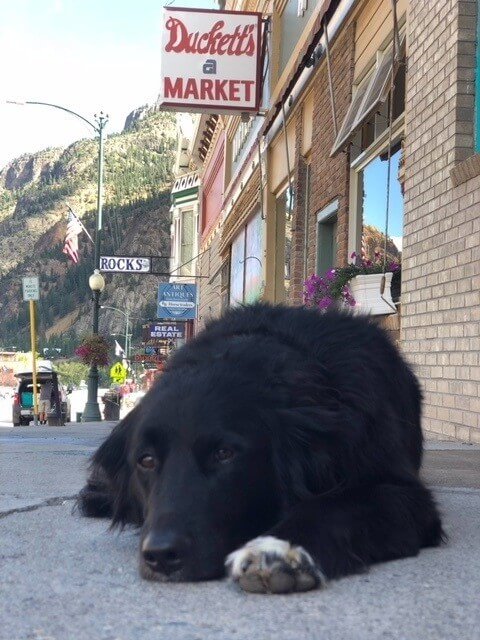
91	412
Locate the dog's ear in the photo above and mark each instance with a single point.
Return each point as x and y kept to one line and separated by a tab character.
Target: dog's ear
108	489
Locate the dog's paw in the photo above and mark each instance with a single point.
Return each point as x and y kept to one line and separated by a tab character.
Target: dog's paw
270	565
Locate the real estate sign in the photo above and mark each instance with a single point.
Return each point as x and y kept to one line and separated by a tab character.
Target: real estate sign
164	331
211	60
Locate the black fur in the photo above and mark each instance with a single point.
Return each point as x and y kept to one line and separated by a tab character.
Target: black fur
322	417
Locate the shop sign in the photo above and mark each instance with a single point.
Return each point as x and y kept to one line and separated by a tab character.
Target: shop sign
153	358
211	60
164	331
177	301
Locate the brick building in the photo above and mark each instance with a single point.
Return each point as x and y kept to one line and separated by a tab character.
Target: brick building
302	185
440	328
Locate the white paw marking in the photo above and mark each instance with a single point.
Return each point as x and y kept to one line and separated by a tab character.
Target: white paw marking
270	565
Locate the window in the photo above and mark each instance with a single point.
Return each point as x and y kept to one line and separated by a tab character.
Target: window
187	243
294	20
284	211
374	208
327	238
371	96
246	266
240	137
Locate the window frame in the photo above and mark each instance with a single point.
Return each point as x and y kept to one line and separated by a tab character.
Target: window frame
379	146
325	216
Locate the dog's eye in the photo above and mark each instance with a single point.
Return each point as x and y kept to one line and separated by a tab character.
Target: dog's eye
147	462
223	455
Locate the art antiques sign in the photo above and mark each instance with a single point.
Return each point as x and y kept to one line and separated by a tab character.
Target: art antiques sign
177	301
211	60
163	331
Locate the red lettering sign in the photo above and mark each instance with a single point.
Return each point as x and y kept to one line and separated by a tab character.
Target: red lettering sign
211	60
214	42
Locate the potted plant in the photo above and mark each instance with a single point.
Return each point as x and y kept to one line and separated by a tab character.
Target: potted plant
357	285
93	351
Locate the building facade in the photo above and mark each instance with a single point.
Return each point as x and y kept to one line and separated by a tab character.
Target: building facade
366	138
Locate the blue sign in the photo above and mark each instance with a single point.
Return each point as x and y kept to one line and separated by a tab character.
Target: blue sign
177	301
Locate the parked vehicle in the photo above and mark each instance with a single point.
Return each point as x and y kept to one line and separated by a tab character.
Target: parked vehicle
22	409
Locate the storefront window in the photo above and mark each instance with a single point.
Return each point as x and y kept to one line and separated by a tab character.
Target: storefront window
246	266
374	177
237	261
327	237
284	208
253	259
187	243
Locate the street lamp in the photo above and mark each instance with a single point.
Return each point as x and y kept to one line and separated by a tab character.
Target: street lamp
91	412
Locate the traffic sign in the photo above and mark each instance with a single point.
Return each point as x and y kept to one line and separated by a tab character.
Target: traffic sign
118	373
31	288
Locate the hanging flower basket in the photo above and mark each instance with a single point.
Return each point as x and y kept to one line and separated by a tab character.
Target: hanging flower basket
365	289
356	285
93	351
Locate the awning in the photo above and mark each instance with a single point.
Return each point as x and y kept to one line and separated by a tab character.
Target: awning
370	94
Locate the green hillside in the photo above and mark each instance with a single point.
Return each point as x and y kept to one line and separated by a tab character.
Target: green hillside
34	192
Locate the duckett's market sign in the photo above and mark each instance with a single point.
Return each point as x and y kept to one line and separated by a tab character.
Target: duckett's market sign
211	60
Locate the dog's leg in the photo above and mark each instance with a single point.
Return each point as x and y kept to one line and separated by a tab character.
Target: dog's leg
95	500
332	536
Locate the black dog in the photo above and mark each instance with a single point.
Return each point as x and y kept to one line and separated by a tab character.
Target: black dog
277	422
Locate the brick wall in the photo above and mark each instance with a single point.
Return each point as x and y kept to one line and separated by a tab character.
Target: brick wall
329	176
440	331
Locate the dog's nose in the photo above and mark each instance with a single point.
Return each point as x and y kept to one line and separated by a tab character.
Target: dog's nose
165	552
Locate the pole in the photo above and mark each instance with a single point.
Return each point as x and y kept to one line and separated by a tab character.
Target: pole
127	338
91	412
33	341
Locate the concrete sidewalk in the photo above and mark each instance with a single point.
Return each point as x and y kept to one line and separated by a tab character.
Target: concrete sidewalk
67	578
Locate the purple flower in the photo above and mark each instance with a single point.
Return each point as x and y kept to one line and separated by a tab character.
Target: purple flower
330	275
325	302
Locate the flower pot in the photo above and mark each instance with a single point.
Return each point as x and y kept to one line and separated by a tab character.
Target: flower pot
366	291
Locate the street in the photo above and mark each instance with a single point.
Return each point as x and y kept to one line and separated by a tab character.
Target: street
69	578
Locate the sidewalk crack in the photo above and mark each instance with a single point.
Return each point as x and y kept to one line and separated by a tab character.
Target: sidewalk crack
50	502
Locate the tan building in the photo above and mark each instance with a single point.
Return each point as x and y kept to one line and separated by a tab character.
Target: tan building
298	188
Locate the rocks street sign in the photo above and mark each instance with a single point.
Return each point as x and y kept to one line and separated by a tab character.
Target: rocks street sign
125	264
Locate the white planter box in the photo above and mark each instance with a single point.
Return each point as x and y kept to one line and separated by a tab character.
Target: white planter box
366	291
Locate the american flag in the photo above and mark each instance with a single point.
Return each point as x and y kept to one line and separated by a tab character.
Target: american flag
74	229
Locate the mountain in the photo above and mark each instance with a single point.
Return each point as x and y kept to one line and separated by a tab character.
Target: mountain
35	190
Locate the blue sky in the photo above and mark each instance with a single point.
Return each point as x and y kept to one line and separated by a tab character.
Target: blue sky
86	55
375	190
